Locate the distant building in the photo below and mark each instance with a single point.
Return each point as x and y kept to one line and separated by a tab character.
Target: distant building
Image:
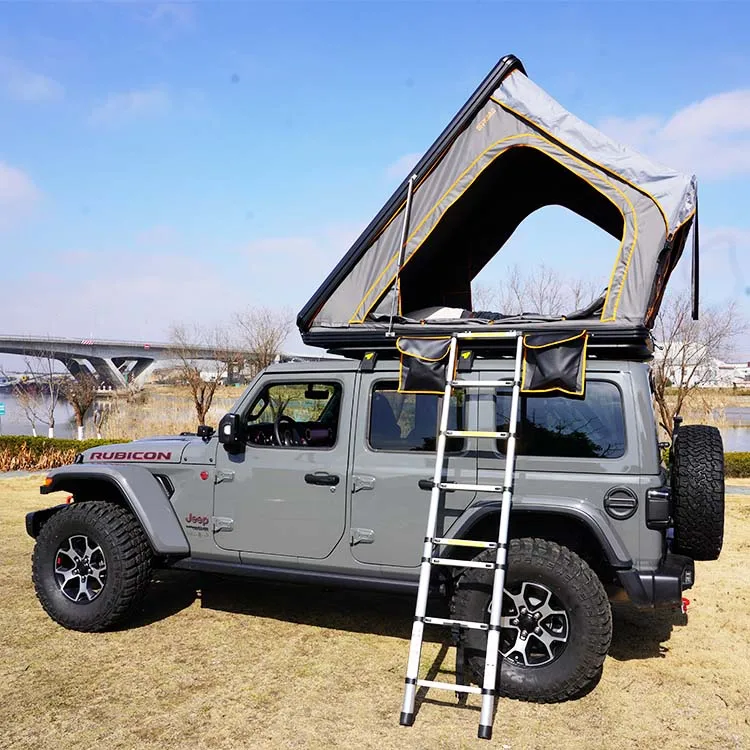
714	374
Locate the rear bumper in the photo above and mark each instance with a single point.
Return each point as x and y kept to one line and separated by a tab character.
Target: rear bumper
662	587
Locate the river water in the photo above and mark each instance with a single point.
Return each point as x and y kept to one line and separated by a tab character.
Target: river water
736	437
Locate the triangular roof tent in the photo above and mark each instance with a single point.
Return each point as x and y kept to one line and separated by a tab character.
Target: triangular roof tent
509	151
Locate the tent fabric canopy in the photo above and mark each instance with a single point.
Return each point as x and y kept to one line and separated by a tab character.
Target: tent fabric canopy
511	150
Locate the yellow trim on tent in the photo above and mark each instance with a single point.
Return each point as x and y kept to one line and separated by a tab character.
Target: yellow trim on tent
641	190
423	338
463	174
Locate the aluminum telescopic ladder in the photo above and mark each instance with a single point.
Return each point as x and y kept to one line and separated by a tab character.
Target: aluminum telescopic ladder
432	543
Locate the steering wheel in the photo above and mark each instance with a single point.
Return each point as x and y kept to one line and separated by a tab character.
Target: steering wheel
289	436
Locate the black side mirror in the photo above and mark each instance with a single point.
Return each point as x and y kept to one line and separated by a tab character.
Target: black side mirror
230	433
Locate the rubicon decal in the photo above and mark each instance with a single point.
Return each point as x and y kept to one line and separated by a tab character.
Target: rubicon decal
130	456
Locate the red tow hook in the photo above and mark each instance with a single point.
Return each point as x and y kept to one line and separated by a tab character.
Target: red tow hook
69	499
685	604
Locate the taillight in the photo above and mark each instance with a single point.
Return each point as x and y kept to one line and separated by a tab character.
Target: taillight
658	507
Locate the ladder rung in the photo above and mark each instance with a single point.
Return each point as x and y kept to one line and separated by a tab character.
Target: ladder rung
477	434
469	487
481	383
450	686
456	563
460	623
463	543
487	334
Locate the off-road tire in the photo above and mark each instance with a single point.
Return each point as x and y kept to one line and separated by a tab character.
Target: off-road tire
581	593
698	492
128	558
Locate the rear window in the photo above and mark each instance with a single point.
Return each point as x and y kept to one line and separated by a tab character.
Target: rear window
565	426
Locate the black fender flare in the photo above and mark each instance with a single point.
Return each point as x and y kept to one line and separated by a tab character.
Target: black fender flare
611	545
138	488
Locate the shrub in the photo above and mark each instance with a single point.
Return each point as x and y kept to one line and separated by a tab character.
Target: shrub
737	464
20	453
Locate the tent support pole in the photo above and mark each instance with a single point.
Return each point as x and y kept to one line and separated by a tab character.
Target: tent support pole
695	270
402	250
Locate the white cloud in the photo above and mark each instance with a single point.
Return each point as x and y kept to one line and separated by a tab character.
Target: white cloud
131	105
399	169
710	138
118	296
287	270
18	195
26	85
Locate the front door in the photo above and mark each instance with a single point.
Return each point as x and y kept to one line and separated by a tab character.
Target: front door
395	449
285	493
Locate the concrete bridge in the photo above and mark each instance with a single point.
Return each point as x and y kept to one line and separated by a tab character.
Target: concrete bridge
117	363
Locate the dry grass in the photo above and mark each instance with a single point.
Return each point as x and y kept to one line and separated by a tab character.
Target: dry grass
162	410
218	663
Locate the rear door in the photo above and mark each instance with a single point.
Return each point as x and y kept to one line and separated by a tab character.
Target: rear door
394	448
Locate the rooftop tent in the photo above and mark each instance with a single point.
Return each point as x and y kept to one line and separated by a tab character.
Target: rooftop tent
509	151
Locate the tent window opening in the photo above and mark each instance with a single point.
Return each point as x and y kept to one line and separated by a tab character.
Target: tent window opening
525	277
472	231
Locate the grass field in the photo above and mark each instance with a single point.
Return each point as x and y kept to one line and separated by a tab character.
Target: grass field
221	663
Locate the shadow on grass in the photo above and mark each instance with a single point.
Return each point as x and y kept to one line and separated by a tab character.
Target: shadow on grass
170	592
641	634
637	634
338	609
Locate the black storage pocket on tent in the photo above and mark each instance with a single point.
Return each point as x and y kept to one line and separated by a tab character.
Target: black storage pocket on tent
423	362
554	364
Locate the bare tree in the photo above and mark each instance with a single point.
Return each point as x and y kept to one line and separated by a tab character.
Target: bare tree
543	290
31	402
262	332
687	349
80	392
202	355
49	381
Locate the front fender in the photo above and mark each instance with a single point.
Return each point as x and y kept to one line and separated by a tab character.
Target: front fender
138	488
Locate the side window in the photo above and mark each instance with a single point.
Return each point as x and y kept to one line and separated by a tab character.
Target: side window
409	421
305	415
591	427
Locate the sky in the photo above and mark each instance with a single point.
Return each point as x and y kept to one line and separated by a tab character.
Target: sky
176	162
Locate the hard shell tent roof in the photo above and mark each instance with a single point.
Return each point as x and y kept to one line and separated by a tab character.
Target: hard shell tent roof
509	151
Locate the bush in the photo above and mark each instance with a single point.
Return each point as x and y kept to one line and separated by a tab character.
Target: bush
20	453
737	464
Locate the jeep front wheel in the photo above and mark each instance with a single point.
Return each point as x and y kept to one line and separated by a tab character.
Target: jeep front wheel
556	623
91	565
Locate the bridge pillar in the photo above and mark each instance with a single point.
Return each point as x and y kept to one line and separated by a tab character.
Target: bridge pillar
106	370
141	370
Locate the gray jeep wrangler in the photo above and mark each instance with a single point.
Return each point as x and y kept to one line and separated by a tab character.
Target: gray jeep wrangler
321	474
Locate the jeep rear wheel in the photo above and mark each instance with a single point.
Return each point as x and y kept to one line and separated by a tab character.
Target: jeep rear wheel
556	623
91	565
698	492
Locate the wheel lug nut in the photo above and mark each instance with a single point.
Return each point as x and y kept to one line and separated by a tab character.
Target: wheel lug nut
536	615
538	631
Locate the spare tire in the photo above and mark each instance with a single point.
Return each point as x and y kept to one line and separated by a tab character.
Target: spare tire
698	492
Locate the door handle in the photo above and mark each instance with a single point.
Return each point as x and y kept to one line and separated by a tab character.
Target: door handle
323	478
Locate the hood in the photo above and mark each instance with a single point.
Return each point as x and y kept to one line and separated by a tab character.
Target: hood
165	450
